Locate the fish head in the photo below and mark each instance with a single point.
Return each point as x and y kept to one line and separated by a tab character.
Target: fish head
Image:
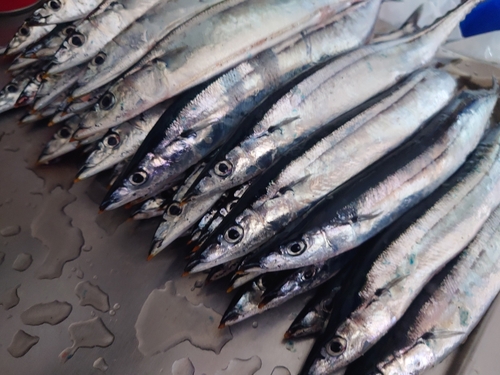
227	173
49	45
20	38
59	144
236	240
28	95
57	11
245	303
11	93
69	49
96	65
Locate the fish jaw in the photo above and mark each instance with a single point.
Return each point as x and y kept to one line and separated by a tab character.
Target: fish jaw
61	11
252	232
26	36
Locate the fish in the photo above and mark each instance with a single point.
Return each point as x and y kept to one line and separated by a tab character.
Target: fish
49	45
153	207
62	11
206	50
54	84
91	35
315	315
20	63
375	68
219	110
28	94
121	142
442	321
294	193
60	143
176	221
12	91
269	291
132	44
27	35
414	250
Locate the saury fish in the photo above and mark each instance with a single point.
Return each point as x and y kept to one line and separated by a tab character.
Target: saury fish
127	48
121	142
95	32
333	90
376	132
415	249
218	111
61	11
26	36
208	49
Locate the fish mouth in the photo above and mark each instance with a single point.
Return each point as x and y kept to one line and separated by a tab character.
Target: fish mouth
269	296
229	318
114	199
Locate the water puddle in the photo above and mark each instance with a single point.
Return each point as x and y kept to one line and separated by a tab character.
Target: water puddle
100	364
51	313
21	344
242	366
92	295
183	366
280	370
10	230
87	334
9	298
166	319
51	219
22	262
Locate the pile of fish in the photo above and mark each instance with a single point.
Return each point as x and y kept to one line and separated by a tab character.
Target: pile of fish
295	149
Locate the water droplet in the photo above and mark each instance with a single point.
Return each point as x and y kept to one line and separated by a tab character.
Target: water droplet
255	325
100	364
166	305
9	298
198	284
73	269
11	230
112	312
51	313
280	370
290	346
2	256
87	334
242	366
21	343
183	366
86	247
92	313
22	262
92	295
116	306
94	277
62	249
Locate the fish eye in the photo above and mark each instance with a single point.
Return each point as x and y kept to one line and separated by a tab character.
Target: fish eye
64	133
174	209
69	30
223	168
107	101
77	40
11	88
308	274
327	305
231	205
24	31
112	140
336	346
138	178
99	59
296	248
54	5
234	234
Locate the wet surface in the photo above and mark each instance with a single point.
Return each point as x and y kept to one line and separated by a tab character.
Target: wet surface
21	343
51	313
92	295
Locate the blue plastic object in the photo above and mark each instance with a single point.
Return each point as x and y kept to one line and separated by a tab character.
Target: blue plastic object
483	19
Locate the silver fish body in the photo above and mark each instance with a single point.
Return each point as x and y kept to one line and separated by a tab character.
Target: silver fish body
153	207
26	36
427	237
216	113
448	316
121	142
293	193
94	33
299	113
132	44
49	45
207	49
61	11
